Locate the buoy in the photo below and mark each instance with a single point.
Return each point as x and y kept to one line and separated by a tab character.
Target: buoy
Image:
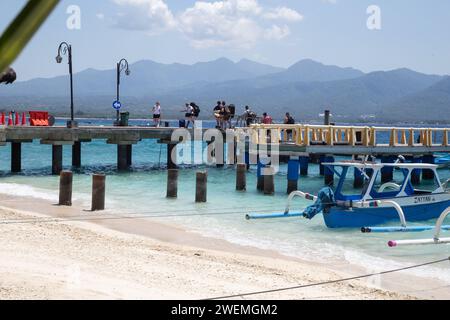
2	119
16	119
24	119
10	120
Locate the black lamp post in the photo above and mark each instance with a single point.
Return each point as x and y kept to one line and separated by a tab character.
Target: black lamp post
122	65
63	49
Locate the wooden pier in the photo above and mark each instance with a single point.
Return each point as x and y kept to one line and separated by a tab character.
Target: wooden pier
294	141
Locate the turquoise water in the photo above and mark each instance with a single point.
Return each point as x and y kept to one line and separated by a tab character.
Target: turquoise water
142	191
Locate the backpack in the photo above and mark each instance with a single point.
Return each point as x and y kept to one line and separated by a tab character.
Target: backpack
291	121
196	109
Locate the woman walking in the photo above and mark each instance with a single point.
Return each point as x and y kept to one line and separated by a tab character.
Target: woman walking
157	114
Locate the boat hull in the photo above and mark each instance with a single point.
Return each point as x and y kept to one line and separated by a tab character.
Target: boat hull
365	217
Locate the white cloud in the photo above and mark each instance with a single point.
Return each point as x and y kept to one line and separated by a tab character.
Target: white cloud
225	23
283	13
277	32
221	23
148	15
100	16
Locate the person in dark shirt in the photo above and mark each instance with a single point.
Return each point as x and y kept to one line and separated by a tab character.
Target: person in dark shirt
217	115
289	120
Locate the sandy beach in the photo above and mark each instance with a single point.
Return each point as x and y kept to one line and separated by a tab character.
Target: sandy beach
142	259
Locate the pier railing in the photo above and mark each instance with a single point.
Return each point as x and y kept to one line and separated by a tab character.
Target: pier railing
311	135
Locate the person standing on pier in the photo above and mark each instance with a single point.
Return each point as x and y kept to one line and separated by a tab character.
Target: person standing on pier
157	114
267	119
189	112
195	112
217	110
289	120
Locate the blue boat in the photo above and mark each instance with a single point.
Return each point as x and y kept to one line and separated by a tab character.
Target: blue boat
377	202
442	161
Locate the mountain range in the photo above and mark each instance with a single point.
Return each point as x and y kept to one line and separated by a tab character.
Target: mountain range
305	89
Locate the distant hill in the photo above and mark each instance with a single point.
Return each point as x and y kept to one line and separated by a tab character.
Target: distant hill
356	97
433	103
305	89
147	77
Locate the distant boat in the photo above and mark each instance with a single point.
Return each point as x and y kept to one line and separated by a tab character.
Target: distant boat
443	161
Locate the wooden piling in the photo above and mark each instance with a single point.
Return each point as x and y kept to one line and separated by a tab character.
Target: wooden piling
241	179
171	156
172	183
98	192
16	157
57	159
269	183
65	188
201	187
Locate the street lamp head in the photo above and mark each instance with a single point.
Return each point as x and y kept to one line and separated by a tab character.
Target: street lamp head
59	59
127	72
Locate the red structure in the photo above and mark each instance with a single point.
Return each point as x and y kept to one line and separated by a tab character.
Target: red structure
39	119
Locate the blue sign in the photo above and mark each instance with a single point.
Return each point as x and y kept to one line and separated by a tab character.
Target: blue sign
117	105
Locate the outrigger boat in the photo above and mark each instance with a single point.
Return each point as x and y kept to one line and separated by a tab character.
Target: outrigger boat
376	203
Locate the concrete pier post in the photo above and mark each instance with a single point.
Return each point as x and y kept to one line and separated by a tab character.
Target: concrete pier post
241	179
247	159
260	177
387	173
172	183
220	161
65	188
122	157
16	157
269	182
358	181
201	187
129	155
57	159
98	192
416	173
293	175
76	154
328	172
171	156
304	166
322	168
428	174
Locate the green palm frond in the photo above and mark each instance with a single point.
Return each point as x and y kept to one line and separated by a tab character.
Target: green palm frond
22	29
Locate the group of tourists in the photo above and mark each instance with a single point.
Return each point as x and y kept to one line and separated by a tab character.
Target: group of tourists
223	113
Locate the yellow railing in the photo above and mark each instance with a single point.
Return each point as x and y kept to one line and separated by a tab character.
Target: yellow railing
308	135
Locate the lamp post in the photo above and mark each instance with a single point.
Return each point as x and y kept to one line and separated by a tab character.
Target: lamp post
122	65
64	49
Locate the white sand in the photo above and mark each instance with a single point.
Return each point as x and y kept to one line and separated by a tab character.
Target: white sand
86	260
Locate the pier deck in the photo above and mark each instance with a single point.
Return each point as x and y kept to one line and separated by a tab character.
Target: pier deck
294	140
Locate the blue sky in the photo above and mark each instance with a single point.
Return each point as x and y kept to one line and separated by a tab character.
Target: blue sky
414	33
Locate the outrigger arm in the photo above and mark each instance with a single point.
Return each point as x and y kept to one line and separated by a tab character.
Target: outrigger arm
437	235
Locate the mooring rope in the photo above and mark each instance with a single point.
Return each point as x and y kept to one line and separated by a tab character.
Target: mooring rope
328	282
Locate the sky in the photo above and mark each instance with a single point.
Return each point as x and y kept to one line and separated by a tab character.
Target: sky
401	33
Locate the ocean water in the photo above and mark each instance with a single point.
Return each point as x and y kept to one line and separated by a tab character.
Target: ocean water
142	191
